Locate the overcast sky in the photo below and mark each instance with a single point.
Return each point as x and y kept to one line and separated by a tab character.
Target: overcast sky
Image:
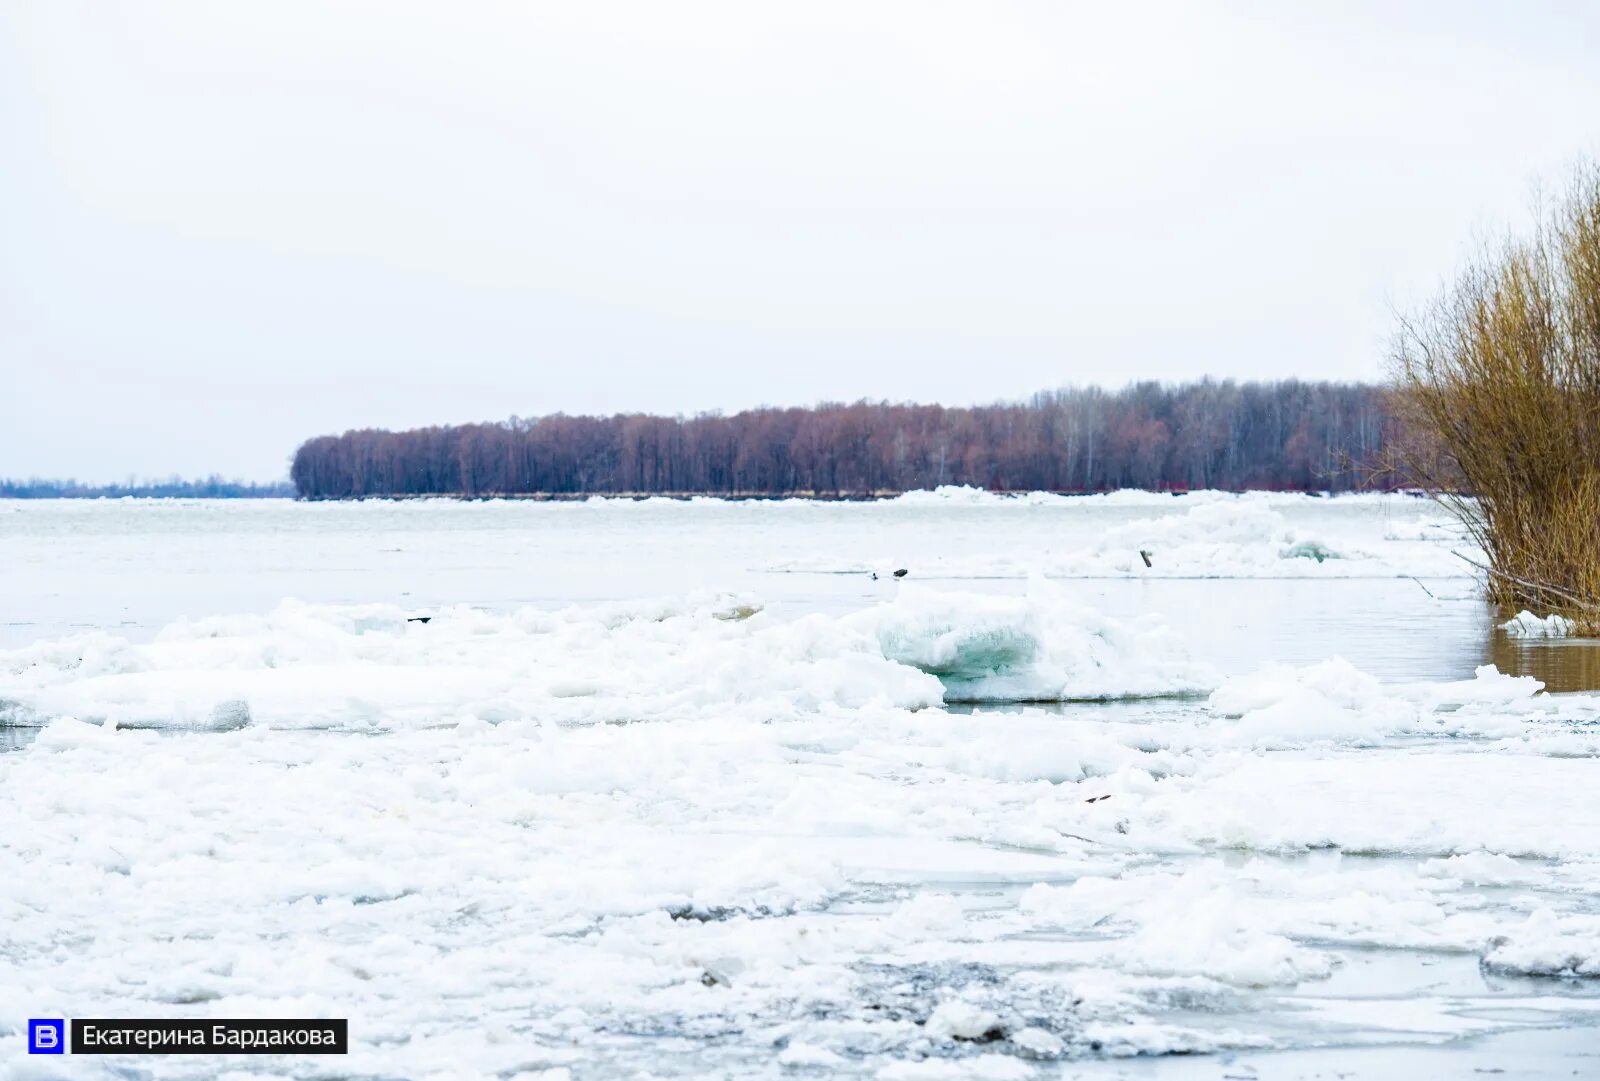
225	227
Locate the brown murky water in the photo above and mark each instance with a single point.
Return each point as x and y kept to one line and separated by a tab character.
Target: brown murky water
1563	664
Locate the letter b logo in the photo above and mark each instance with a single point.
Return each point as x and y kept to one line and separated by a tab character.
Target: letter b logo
47	1037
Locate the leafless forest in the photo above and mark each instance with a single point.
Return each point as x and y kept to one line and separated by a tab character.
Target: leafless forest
1210	434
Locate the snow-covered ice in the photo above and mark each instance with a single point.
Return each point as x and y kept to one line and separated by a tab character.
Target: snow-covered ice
1546	945
1198	535
716	832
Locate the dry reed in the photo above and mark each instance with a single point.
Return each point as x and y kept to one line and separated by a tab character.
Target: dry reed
1498	386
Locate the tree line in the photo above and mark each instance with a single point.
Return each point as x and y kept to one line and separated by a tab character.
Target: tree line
1286	435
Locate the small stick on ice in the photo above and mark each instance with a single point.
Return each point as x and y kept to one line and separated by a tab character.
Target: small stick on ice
1144	555
1089	840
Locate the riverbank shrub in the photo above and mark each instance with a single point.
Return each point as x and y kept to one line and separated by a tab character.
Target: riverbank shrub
1499	385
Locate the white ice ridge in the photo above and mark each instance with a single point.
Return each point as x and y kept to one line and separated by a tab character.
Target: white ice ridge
370	666
1201	535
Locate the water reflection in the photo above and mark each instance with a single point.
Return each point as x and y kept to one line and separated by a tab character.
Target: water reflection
13	738
1563	664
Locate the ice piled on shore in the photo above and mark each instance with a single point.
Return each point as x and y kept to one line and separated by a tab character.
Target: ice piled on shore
368	666
1527	625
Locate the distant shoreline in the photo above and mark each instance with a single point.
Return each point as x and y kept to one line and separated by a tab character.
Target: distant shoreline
209	488
882	496
686	497
820	497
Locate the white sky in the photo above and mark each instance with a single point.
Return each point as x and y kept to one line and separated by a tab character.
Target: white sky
225	227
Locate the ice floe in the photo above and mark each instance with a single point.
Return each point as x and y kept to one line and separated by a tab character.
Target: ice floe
1038	648
1527	625
370	666
1281	705
1547	945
